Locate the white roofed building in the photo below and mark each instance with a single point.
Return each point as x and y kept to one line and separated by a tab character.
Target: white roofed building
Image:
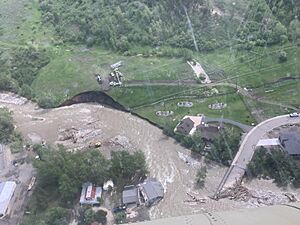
90	194
7	190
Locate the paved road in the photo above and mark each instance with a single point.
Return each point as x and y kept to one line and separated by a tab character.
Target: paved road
244	127
237	169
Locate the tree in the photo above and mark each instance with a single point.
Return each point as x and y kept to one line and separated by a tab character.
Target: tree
278	32
26	91
57	216
275	164
87	216
46	100
224	147
282	56
8	84
127	168
120	217
294	30
201	175
6	126
67	171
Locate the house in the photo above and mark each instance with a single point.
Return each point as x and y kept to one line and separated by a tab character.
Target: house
188	125
130	195
290	142
152	191
7	190
90	194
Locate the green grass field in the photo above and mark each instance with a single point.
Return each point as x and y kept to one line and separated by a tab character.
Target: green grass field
135	97
235	110
72	68
287	92
20	23
256	67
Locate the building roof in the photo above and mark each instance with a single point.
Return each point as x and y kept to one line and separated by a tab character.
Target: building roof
130	195
6	192
271	215
209	132
90	194
188	124
290	142
153	189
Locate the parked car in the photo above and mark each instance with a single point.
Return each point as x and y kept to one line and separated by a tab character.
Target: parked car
114	84
119	208
294	114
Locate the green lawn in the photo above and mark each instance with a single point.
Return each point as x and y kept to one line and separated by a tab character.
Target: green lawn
286	92
235	110
63	78
138	96
20	23
72	70
253	68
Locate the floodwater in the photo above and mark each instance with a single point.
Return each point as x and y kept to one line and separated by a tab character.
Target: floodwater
167	161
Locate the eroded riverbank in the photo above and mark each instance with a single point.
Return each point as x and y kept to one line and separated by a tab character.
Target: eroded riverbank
169	162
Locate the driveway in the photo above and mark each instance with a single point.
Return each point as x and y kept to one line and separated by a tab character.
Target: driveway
244	127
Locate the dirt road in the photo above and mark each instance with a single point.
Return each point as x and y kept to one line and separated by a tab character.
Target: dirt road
167	161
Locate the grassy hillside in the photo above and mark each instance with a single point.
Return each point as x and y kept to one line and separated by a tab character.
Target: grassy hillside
238	43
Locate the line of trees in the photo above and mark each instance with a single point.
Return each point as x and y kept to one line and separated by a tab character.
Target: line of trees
222	148
8	134
60	175
67	171
275	164
122	24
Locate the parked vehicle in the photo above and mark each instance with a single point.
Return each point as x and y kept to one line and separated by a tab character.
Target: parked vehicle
294	114
114	84
95	144
31	184
119	208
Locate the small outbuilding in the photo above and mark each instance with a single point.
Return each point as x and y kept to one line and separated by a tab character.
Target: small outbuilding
130	195
152	191
108	185
90	194
7	190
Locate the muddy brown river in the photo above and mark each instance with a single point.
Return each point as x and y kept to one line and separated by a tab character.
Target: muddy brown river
167	161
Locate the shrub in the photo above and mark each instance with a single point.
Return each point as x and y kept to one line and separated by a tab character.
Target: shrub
8	84
6	126
46	101
200	177
282	57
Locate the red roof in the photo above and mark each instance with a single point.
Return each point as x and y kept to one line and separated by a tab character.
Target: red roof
93	192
